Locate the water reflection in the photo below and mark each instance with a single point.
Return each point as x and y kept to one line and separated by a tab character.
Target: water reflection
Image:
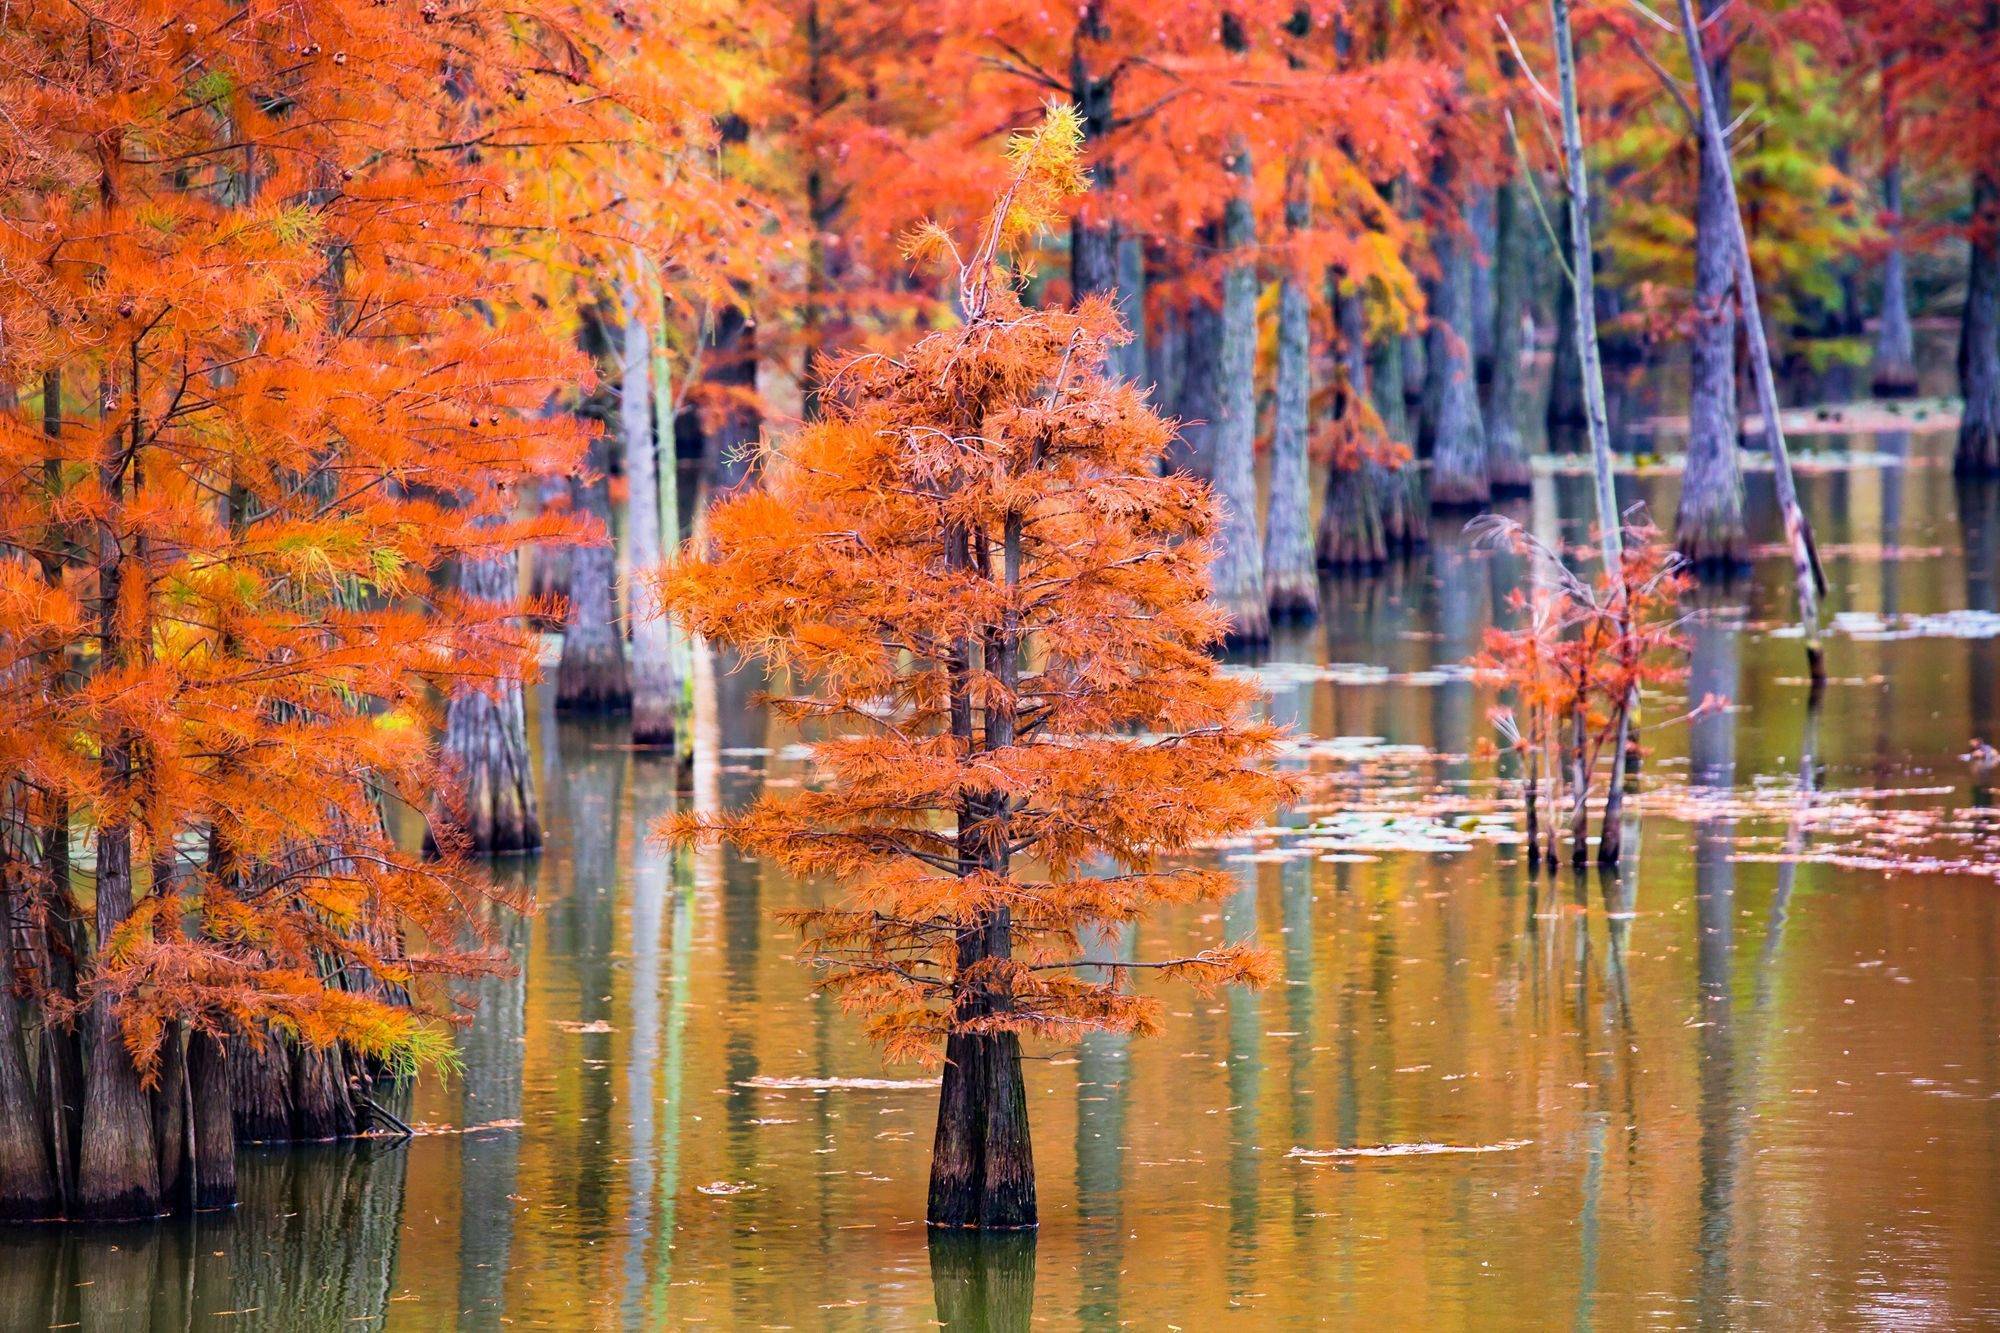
983	1283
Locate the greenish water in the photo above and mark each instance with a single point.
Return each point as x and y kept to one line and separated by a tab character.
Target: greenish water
1718	1090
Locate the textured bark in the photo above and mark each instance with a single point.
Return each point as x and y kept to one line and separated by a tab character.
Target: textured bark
1979	337
1350	520
1708	527
260	1089
1894	373
649	512
592	676
1239	563
323	1108
486	742
170	1119
982	1161
28	1185
1193	451
117	1176
1507	471
212	1165
1291	586
1458	447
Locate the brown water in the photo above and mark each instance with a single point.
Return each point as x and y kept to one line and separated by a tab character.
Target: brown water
1718	1091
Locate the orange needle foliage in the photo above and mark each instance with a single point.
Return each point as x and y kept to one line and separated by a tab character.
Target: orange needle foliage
996	615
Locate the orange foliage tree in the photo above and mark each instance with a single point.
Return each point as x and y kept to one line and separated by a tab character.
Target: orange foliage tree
264	375
997	614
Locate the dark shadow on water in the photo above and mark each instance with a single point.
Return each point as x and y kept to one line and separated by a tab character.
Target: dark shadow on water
983	1282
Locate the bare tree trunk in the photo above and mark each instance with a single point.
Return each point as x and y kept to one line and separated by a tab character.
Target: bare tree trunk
1291	585
1567	415
1193	451
1130	360
28	1185
655	691
1708	527
1806	573
1350	522
1458	446
1507	470
1166	357
1979	336
213	1160
486	741
117	1177
1894	374
1239	562
591	676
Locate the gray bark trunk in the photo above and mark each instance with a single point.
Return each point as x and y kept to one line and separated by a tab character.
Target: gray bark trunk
486	742
655	691
1350	521
1239	562
1291	585
1979	337
1894	374
1507	471
1166	354
1708	527
1200	406
1130	360
1566	416
592	676
1458	445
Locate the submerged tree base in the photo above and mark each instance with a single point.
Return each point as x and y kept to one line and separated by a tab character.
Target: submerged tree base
982	1162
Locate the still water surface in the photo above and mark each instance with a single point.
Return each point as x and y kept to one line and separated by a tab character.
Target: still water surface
1718	1091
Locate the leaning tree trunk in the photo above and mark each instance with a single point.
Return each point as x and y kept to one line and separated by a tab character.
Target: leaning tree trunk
486	740
1239	562
1350	520
1290	585
1979	337
1894	374
1458	441
591	676
655	691
1708	528
1507	471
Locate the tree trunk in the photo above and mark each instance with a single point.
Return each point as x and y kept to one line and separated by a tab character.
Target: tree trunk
260	1088
486	741
730	421
1979	337
591	676
1166	356
1567	415
322	1105
118	1178
1193	451
1130	360
28	1185
1350	521
1291	586
213	1161
1507	471
1708	528
1894	373
1239	562
1458	447
170	1123
655	691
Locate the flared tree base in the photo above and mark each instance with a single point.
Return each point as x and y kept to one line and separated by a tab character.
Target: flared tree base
1249	620
1292	597
1978	453
1350	525
982	1161
1894	379
593	682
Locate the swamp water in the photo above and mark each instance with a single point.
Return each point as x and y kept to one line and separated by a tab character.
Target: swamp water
1752	1080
